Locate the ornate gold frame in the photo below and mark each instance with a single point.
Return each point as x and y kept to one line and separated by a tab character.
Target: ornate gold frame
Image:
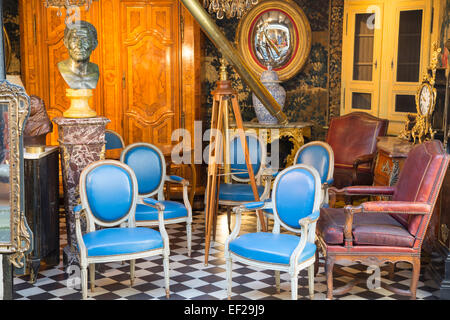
302	42
18	104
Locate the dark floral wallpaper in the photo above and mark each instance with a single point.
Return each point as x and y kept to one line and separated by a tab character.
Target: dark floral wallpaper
11	23
306	93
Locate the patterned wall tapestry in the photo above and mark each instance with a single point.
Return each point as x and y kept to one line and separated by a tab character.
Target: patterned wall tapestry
11	23
307	93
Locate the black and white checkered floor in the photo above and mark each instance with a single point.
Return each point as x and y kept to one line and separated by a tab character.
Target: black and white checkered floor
190	279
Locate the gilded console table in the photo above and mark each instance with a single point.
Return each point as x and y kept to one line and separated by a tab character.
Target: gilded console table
295	131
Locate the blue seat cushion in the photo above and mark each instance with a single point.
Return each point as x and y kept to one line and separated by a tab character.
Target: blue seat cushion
114	241
238	192
172	210
269	247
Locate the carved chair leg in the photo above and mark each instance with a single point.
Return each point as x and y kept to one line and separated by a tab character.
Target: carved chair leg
92	276
415	277
329	264
132	273
311	270
229	218
84	282
391	271
277	280
229	277
316	263
294	286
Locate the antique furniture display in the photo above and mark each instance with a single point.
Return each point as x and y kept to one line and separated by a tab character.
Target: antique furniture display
296	132
353	138
385	49
148	59
275	33
379	232
42	206
15	236
391	155
320	156
238	190
149	165
422	128
81	142
109	193
296	209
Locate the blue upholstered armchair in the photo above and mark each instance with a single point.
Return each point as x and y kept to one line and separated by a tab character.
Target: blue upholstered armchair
109	193
320	156
149	165
296	197
239	191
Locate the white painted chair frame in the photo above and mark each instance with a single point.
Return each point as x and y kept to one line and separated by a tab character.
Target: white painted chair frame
128	220
308	227
159	193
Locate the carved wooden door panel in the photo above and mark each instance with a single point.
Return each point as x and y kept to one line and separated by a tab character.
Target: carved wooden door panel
150	64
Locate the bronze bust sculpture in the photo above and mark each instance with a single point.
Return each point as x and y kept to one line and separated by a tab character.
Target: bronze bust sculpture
80	38
38	123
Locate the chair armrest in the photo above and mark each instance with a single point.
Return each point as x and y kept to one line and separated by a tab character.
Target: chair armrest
397	207
364	191
367	158
153	203
177	179
254	205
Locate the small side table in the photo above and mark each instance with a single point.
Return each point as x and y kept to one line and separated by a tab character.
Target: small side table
41	173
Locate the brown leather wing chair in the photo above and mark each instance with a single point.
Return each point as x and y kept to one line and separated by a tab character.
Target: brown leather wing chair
353	138
385	231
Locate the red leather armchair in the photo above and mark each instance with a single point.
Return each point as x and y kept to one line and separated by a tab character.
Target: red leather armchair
385	231
353	138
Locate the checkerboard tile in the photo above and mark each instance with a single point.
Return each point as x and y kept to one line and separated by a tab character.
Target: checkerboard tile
190	279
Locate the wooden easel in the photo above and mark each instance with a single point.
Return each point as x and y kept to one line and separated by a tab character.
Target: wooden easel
223	94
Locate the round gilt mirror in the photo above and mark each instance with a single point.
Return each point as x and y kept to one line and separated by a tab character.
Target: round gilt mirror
276	34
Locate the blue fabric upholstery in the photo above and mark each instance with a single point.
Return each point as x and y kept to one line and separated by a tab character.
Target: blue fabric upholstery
176	178
172	210
114	241
113	141
254	205
294	196
109	191
237	157
148	167
238	192
318	157
269	247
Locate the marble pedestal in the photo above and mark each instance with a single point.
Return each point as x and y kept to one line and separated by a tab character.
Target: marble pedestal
82	141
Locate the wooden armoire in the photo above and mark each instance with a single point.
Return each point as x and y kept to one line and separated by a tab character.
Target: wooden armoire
148	56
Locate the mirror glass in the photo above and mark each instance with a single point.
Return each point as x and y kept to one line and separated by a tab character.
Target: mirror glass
5	209
272	39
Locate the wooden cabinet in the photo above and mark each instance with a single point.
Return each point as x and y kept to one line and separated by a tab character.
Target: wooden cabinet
386	49
148	59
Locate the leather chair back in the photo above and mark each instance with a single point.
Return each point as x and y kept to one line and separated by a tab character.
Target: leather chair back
256	150
148	164
354	135
420	181
320	156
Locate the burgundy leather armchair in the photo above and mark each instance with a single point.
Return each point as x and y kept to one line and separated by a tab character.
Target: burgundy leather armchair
378	232
353	138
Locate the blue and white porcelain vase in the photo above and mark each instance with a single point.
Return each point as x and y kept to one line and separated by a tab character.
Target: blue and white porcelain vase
271	81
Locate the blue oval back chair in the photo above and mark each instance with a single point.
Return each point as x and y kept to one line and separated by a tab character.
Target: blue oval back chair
109	193
113	140
295	202
149	165
320	156
239	191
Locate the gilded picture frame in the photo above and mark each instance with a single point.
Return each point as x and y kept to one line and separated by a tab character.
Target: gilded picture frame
275	33
15	237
